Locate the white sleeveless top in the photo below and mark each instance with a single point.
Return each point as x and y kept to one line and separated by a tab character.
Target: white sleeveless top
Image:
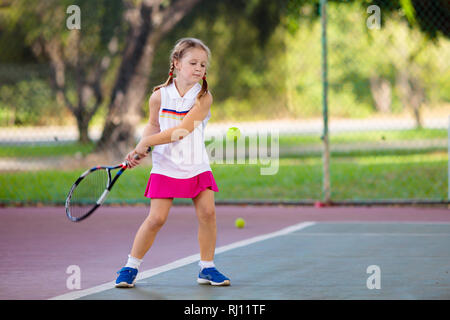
185	158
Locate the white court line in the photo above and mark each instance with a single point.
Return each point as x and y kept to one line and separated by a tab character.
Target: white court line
366	234
184	261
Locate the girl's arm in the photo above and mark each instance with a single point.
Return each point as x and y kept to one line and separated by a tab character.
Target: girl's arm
152	127
194	117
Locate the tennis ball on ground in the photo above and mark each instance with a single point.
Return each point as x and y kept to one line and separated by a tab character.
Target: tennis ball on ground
239	223
233	133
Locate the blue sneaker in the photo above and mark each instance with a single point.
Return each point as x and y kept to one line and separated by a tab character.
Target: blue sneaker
126	278
213	277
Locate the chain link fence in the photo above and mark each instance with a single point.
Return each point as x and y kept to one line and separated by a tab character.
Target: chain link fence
396	77
388	108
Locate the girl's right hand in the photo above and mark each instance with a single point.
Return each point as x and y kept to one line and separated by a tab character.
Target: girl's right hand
132	161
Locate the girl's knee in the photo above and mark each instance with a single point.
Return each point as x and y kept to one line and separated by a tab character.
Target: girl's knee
155	222
206	214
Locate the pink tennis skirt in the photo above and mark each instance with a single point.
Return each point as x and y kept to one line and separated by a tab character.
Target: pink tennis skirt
161	186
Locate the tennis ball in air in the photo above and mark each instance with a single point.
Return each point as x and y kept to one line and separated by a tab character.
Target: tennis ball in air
233	133
239	223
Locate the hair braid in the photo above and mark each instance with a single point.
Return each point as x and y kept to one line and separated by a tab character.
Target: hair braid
169	79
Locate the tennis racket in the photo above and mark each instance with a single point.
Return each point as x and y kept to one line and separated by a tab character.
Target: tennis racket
91	189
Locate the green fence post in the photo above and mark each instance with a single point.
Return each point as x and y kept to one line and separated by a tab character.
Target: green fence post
326	148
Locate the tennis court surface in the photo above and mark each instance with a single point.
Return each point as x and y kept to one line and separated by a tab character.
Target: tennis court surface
283	253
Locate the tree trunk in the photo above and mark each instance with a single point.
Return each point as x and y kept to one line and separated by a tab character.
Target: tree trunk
412	94
149	25
129	89
83	131
381	93
85	89
417	99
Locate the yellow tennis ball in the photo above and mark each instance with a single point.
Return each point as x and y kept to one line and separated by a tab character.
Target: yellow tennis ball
233	133
239	223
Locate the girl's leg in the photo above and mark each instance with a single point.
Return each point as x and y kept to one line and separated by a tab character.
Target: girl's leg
159	210
207	230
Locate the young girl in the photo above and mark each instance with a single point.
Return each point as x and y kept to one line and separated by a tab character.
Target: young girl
179	112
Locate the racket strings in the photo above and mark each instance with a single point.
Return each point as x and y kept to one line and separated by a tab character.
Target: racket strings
88	191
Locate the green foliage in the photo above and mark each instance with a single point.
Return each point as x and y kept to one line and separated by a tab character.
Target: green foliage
283	78
266	55
241	77
29	102
47	20
429	16
41	25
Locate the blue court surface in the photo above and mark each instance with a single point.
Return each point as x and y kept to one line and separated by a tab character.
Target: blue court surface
320	261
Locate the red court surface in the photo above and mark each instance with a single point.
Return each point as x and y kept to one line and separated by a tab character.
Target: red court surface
38	244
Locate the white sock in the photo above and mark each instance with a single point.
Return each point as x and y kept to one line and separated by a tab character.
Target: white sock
206	264
133	262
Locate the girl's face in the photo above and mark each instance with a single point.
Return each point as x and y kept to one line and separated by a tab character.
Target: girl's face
192	66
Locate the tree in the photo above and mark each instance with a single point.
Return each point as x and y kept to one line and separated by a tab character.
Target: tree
428	22
156	20
430	16
78	59
148	21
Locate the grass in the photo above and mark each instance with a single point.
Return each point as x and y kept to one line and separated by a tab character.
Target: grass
285	141
45	150
380	177
355	174
369	136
